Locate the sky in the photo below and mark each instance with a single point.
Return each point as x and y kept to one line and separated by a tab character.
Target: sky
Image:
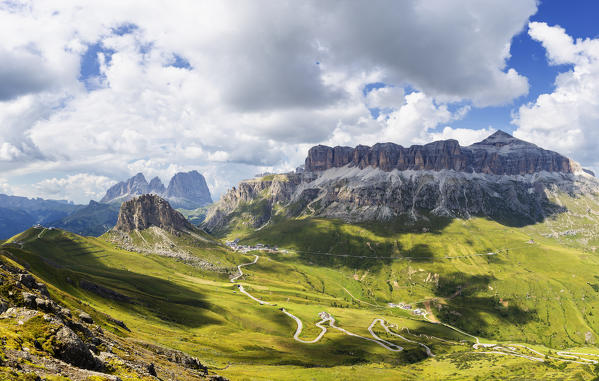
92	93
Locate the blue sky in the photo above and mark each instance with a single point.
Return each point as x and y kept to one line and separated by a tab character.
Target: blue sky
528	57
92	95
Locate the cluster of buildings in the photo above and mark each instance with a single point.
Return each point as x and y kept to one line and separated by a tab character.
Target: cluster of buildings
408	307
234	245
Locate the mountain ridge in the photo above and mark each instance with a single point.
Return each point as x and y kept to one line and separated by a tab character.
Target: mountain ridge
368	184
499	154
187	190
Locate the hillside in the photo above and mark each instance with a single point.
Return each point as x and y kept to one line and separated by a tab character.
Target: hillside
352	272
316	282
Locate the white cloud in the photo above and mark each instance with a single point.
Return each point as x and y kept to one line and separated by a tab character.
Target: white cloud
385	97
565	120
463	135
80	187
266	81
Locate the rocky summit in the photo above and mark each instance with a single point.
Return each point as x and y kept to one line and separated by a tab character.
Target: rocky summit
135	186
499	154
187	190
502	178
149	210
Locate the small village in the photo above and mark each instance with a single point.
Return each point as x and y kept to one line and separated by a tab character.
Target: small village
408	307
234	245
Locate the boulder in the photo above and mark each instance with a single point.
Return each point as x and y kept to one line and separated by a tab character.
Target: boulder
71	349
86	318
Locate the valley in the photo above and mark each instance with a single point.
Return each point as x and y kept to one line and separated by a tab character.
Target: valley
290	278
204	313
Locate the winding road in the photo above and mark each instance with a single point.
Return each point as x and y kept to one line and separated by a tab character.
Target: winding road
492	348
234	279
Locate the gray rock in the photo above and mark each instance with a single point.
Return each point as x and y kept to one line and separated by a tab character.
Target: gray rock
86	318
19	313
29	299
499	154
188	190
44	304
28	280
137	185
150	210
70	348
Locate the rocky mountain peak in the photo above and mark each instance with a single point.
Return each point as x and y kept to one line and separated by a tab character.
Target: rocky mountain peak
500	139
149	210
156	186
188	190
136	185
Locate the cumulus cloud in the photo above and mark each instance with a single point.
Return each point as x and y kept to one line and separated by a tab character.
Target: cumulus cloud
234	88
565	120
463	135
80	187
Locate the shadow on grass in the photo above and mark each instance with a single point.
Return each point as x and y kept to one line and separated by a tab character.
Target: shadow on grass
334	243
467	304
69	264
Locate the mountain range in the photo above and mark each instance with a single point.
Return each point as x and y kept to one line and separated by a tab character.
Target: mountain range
186	190
432	262
501	177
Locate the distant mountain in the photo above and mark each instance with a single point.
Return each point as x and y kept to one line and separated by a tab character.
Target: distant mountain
19	213
92	220
499	154
186	190
135	186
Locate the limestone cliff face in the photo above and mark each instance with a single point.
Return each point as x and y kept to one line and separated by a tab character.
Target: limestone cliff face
502	178
499	154
150	210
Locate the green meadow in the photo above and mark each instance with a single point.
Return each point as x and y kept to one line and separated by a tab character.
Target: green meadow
500	283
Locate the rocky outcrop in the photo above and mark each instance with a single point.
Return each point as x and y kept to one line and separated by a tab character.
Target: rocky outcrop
188	191
499	154
278	189
53	342
150	210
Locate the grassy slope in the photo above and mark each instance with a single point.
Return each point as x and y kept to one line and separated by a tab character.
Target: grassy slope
516	295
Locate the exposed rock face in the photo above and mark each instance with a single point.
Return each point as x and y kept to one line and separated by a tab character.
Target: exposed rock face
73	350
150	210
137	185
501	177
499	154
156	186
188	190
